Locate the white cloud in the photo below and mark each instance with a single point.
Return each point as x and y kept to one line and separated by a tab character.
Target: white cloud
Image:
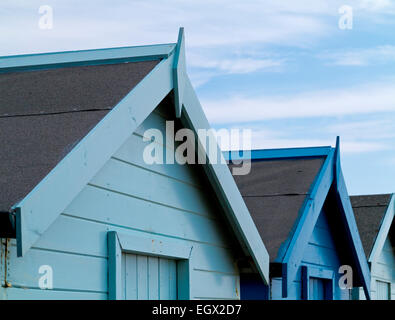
236	66
376	5
208	23
268	136
361	57
207	65
378	129
269	139
378	97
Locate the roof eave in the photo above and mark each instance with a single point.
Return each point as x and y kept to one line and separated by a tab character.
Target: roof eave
85	57
283	153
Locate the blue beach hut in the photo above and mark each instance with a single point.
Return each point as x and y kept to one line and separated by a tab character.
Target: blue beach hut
299	203
375	220
82	214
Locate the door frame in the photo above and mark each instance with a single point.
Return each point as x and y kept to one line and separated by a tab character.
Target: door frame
320	273
151	245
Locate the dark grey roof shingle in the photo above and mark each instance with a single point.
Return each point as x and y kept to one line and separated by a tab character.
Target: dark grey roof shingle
274	192
369	212
44	113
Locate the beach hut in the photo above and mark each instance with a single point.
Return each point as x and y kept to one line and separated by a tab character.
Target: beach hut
299	203
375	220
83	213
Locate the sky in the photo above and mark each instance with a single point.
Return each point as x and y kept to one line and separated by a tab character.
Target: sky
297	73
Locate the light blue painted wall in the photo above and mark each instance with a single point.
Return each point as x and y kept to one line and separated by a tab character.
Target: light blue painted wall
320	253
130	197
382	269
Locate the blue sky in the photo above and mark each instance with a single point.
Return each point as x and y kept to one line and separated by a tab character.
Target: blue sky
282	68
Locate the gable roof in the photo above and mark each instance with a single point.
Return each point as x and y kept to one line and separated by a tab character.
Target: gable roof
86	153
370	213
274	193
285	193
45	113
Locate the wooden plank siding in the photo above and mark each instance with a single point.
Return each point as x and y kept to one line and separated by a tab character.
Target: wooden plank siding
130	197
383	269
319	253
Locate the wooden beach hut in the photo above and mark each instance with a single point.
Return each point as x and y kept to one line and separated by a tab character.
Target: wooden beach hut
299	203
82	214
375	220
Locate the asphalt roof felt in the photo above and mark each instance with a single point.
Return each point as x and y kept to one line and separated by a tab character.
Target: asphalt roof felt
45	113
274	192
369	211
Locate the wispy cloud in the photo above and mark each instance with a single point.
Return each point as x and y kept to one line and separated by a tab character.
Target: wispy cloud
361	57
236	66
377	5
382	128
272	139
205	65
357	136
209	23
369	98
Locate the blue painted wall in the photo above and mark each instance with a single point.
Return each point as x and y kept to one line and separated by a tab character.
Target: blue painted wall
128	196
252	287
321	253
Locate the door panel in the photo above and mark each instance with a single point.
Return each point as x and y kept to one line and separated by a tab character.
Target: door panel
383	290
319	289
146	277
316	289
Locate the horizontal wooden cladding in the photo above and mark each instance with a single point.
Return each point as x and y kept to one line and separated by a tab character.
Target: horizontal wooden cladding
383	271
162	202
128	154
103	206
323	238
84	237
86	276
81	273
70	272
135	182
387	255
322	256
39	294
212	285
